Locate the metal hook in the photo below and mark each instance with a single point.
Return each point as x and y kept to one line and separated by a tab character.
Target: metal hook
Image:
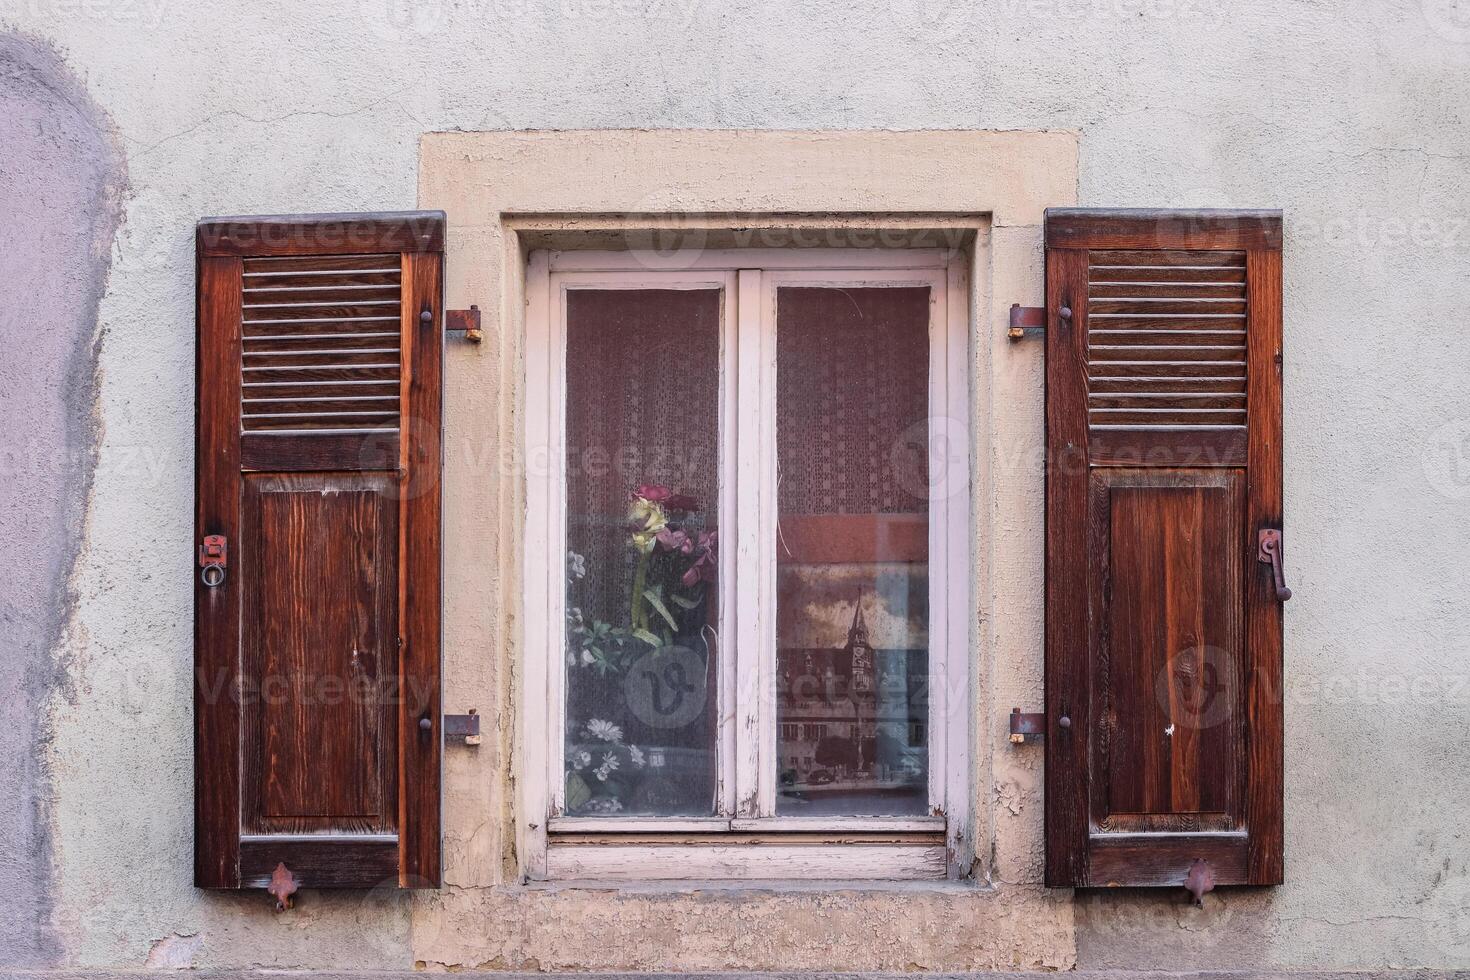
214	555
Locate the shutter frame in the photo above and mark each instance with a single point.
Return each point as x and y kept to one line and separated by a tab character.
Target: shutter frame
1152	475
383	825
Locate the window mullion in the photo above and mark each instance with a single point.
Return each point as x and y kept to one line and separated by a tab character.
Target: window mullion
765	570
751	604
727	643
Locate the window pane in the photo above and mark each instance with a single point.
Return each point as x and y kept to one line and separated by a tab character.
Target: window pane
642	425
852	551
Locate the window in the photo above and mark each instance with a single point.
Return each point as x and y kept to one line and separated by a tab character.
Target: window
753	530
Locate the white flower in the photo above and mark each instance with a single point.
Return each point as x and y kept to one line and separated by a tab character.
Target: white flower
576	566
587	658
636	754
605	730
609	763
580	760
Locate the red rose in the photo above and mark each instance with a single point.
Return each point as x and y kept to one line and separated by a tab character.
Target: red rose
682	501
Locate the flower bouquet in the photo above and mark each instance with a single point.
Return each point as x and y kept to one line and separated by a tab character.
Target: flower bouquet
673	570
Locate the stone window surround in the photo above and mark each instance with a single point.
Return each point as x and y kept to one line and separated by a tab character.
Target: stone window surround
507	193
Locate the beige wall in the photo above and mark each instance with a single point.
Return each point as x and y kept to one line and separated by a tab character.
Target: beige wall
508	192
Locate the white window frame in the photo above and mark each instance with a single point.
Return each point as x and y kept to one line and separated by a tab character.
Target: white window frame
935	845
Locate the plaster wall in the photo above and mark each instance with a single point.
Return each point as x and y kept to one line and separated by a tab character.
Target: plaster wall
60	184
1350	116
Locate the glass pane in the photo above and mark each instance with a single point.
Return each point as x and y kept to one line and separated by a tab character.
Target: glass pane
852	628
642	423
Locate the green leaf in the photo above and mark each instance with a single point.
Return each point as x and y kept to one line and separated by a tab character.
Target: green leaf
652	596
646	637
683	602
577	792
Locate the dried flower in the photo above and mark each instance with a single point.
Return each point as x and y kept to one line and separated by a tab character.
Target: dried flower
609	763
674	540
605	730
647	519
682	502
705	564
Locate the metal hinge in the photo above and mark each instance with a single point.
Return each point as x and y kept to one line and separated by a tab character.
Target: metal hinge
1027	725
466	727
466	322
1026	319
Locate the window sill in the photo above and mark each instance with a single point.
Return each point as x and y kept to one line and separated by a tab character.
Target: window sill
836	826
753	886
734	857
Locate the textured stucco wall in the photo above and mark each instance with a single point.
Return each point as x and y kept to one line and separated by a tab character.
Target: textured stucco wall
60	184
1350	116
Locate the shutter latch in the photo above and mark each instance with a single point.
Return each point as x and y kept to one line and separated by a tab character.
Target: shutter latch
1027	726
1200	879
283	885
1268	544
214	556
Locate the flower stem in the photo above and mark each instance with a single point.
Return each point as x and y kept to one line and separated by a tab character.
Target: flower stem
636	612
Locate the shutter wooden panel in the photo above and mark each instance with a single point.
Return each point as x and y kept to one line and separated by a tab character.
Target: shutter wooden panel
1163	630
317	731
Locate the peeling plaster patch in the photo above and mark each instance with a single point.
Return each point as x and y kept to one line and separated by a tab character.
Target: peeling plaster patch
174	952
61	179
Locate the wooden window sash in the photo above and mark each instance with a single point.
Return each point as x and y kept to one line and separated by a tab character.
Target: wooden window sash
747	791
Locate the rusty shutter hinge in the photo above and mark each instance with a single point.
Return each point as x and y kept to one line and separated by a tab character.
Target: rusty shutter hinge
1026	319
466	727
466	322
1027	725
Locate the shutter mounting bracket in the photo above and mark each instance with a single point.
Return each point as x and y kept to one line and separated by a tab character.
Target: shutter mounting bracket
1026	321
466	727
466	322
1027	726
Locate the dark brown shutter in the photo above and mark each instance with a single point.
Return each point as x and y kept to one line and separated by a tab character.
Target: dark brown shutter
317	736
1163	630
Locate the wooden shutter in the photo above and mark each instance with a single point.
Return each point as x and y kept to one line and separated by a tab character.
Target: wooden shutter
317	734
1163	629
